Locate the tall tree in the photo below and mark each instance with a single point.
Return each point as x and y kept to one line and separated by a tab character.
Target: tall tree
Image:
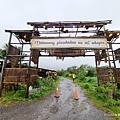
3	52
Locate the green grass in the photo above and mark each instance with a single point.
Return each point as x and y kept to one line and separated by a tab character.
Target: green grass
99	95
47	85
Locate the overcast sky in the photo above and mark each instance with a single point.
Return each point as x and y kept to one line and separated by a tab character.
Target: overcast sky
16	13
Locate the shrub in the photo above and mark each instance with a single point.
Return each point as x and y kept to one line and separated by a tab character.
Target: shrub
101	96
111	102
89	80
18	94
90	73
81	75
104	90
21	87
86	86
67	75
35	95
100	89
60	72
37	84
118	94
108	85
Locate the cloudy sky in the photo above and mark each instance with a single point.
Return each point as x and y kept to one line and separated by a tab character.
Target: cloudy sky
16	13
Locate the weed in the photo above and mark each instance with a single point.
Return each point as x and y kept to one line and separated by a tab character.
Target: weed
46	85
86	85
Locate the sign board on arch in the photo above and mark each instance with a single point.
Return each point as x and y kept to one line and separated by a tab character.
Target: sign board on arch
87	43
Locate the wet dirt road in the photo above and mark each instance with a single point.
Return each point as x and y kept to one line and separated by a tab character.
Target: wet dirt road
51	108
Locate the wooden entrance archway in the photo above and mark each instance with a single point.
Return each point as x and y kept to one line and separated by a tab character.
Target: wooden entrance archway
61	39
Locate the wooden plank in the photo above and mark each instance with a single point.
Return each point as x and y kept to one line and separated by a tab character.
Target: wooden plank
13	51
35	55
103	54
103	76
67	52
19	75
8	83
117	54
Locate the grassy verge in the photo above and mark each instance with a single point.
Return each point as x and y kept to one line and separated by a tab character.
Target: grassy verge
100	95
45	85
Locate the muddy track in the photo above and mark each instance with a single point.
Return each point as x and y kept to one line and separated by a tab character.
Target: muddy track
51	108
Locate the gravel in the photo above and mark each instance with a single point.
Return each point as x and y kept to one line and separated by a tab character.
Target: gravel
51	108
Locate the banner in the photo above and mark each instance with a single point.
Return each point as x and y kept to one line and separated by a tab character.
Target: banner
95	43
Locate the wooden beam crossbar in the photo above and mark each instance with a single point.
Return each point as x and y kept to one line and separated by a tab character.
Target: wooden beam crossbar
62	28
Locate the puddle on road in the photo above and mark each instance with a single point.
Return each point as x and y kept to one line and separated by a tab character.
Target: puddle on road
62	108
66	107
67	89
54	109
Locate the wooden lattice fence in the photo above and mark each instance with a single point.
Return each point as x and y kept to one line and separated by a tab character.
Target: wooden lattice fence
11	52
19	75
103	75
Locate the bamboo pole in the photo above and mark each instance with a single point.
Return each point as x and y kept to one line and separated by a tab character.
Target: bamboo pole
96	68
28	74
4	65
111	72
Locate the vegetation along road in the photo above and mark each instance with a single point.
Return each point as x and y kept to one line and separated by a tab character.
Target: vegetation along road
50	108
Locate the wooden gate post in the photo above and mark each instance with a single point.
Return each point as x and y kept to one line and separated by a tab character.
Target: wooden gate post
1	87
111	73
27	88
